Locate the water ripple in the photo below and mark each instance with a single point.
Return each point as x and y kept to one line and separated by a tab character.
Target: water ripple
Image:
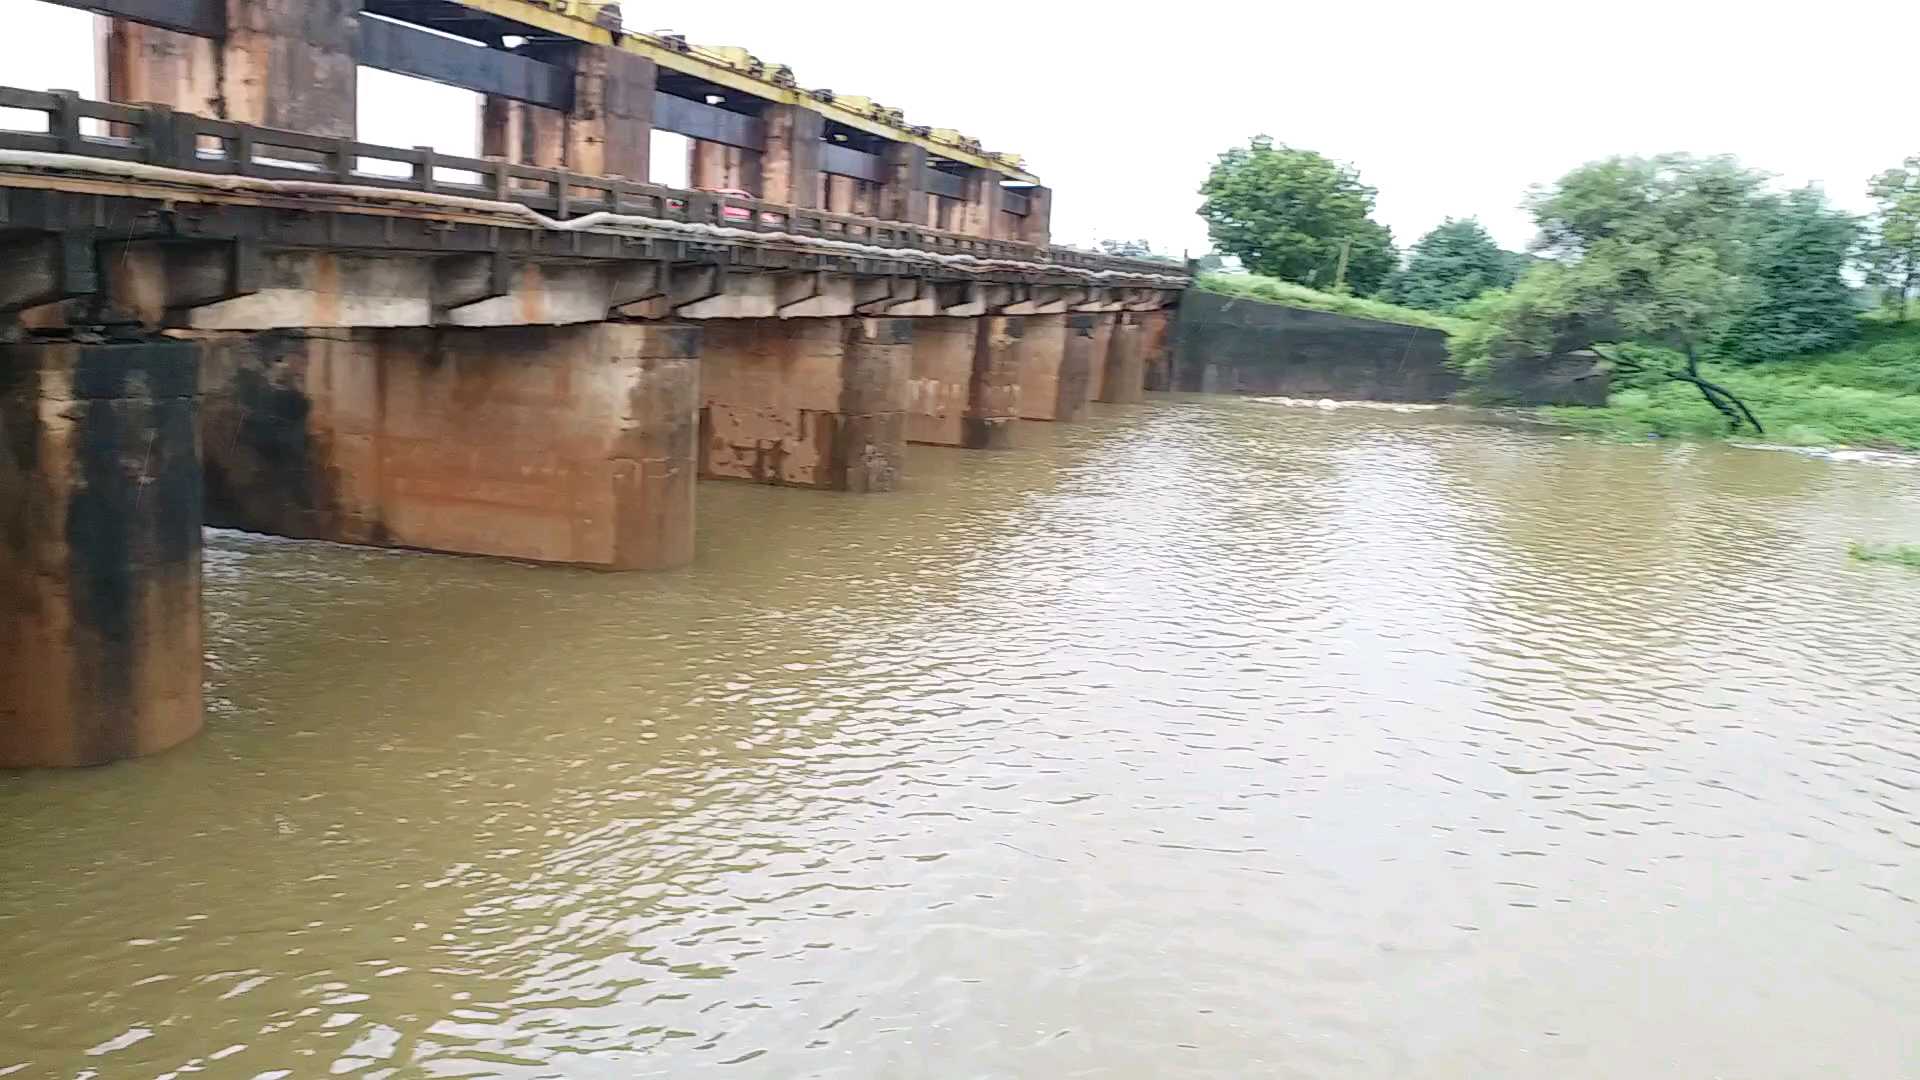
1212	738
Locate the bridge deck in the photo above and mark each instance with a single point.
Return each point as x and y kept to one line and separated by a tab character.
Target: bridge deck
162	148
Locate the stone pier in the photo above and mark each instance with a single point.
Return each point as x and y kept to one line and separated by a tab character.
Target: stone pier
552	444
100	512
817	403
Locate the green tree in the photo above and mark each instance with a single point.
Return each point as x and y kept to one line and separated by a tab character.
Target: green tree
1295	215
1642	250
1451	265
1893	255
1797	248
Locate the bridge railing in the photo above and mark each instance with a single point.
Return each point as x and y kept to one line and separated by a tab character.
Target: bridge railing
156	135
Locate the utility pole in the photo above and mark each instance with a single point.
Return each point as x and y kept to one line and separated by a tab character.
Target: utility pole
1340	272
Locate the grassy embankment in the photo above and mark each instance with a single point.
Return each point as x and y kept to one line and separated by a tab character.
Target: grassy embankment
1275	291
1867	395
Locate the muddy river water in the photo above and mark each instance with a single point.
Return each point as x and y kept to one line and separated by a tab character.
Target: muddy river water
1206	739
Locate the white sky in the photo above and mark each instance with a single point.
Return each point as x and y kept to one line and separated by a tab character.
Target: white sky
1448	108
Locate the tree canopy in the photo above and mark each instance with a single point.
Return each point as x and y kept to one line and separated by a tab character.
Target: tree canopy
1893	255
1690	254
1451	265
1292	214
1684	252
1797	247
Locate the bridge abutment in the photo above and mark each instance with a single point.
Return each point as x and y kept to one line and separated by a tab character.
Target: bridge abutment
100	506
569	444
817	403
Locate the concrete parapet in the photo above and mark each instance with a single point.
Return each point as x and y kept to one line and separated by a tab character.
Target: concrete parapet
100	507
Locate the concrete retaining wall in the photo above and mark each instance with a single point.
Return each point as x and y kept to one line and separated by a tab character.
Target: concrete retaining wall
1232	345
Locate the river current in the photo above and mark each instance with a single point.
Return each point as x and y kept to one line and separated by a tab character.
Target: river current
1210	738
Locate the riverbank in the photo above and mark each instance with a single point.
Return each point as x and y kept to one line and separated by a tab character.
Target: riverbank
1276	291
1864	396
1867	395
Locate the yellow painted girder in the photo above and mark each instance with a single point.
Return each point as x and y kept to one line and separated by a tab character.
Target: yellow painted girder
553	16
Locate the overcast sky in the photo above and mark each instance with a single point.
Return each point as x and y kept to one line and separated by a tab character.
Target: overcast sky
1447	108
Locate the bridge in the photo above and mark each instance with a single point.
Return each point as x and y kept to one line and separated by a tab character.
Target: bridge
217	306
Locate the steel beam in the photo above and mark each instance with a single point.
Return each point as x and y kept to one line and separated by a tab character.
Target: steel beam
846	161
393	46
946	184
698	120
207	18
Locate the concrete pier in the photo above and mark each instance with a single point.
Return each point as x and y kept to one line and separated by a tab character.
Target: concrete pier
1100	334
280	63
1044	352
817	403
1077	357
1124	379
993	394
554	444
1157	349
100	513
966	380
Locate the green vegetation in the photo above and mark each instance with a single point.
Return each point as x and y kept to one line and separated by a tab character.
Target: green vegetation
1907	555
1892	256
1689	256
1450	266
1723	304
1273	290
1297	216
1866	396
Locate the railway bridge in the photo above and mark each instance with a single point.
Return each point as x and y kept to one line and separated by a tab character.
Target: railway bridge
217	306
